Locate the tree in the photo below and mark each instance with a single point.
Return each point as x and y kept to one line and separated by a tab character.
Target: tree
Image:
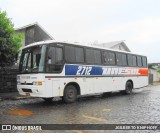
149	65
10	43
158	69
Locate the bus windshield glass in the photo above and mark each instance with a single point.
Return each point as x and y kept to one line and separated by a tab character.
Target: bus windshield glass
33	59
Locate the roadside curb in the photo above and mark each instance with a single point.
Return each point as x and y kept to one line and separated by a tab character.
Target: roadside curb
151	85
16	98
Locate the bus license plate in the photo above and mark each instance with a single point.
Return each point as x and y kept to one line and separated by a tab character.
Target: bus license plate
27	94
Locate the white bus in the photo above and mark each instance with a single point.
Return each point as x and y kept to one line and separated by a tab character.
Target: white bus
56	69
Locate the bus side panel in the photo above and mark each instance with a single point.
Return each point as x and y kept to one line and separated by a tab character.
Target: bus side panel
108	84
91	85
104	84
85	84
140	81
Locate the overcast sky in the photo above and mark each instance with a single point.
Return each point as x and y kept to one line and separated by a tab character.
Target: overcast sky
85	21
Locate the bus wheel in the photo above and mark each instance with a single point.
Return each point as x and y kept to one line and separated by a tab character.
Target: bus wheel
70	94
48	99
129	87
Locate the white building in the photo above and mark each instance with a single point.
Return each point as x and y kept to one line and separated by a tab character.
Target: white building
156	75
119	45
33	33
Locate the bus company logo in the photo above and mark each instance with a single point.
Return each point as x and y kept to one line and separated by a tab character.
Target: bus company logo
120	71
6	127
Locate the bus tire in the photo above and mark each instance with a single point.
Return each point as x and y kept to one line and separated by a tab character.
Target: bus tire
70	94
48	99
129	87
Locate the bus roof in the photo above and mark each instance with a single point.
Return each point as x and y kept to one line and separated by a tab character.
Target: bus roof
77	44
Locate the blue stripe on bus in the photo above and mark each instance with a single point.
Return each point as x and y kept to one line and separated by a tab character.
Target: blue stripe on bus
83	70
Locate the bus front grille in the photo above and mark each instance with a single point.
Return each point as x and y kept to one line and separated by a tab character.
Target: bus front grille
26	90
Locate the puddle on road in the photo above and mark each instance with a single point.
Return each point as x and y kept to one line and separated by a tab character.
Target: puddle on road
19	112
106	110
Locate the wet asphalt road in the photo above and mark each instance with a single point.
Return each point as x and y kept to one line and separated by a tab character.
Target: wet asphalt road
142	107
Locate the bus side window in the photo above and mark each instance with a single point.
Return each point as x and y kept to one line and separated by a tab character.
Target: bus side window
134	60
124	59
139	60
130	60
97	56
112	58
89	56
70	54
109	58
59	56
105	58
119	58
79	54
54	59
93	56
51	55
144	61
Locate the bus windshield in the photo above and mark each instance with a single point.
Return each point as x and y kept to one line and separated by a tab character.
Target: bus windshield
33	59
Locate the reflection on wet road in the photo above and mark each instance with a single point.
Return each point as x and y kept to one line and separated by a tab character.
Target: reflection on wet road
143	107
19	112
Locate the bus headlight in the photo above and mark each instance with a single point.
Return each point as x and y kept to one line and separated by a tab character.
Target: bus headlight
37	83
34	83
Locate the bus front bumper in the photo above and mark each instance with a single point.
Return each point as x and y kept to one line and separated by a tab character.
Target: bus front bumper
34	91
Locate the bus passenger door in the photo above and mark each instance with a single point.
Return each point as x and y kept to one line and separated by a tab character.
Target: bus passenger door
54	66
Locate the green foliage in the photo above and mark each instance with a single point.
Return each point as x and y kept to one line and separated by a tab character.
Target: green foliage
149	65
158	69
10	43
